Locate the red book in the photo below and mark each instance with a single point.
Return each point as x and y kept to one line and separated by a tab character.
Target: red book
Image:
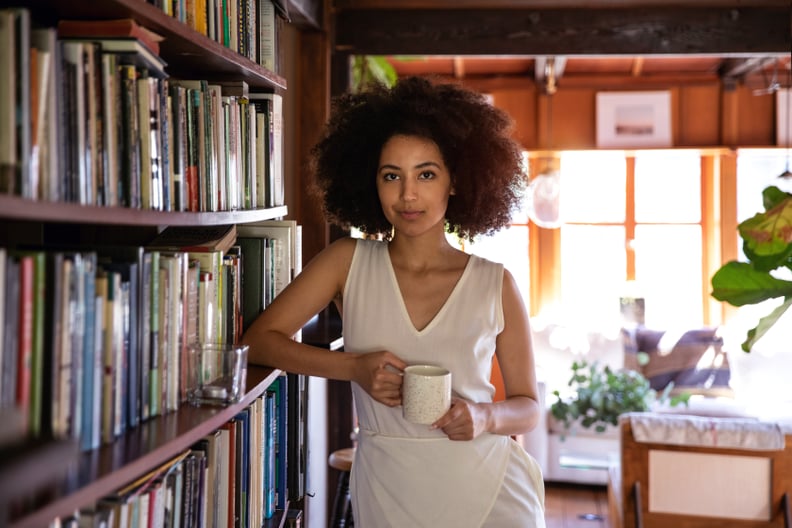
120	27
25	350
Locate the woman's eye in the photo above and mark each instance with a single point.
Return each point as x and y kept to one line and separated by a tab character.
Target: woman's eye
426	175
390	176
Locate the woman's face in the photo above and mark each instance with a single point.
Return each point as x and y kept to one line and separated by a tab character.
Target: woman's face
413	184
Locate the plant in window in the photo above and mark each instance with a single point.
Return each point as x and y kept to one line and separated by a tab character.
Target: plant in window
602	394
767	244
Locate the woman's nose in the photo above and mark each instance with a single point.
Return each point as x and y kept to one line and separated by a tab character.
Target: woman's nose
409	190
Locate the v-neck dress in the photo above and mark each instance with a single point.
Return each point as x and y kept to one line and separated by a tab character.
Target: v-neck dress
408	475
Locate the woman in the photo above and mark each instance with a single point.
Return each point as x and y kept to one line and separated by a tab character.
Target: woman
410	163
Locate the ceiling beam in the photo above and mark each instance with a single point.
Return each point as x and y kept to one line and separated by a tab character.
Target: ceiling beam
737	31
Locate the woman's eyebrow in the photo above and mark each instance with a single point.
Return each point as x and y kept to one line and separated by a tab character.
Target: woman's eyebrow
421	165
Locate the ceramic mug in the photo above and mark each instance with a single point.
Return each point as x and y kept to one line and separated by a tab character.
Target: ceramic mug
426	393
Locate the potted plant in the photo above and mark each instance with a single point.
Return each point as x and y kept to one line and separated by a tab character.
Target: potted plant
601	395
767	244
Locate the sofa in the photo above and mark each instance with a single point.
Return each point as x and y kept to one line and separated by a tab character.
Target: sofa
705	362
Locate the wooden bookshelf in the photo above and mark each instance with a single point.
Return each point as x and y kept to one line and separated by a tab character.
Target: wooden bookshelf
47	479
152	443
16	208
186	51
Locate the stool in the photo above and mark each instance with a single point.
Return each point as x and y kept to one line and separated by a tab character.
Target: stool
341	460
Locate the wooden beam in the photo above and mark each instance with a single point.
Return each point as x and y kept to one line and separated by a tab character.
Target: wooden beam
533	4
305	14
734	31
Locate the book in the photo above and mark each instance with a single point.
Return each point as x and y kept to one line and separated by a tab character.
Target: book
25	334
196	238
270	465
284	233
47	133
279	389
8	81
22	98
130	51
119	27
267	53
276	182
129	185
296	436
3	259
8	377
36	359
252	278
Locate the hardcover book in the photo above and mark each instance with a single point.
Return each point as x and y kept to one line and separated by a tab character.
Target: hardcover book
120	27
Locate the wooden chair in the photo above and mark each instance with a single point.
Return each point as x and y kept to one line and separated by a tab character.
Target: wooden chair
762	501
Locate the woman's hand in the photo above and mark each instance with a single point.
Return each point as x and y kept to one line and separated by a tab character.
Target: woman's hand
380	375
463	421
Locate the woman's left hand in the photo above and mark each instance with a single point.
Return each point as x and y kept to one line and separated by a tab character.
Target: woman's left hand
463	421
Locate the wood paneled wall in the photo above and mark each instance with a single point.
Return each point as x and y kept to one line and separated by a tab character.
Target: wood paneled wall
702	115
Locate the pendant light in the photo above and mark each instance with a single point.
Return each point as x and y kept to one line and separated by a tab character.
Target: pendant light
544	189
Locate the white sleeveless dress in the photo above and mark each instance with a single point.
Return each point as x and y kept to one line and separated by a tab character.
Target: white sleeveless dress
406	475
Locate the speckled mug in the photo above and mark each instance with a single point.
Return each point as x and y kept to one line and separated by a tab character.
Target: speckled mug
426	393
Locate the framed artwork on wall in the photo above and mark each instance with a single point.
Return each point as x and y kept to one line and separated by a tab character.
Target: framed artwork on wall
634	119
783	117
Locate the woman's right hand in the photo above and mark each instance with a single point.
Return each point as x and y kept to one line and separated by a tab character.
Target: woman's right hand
380	375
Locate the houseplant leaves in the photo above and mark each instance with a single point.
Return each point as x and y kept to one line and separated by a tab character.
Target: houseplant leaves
767	244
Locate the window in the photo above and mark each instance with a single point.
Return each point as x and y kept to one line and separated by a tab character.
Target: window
632	226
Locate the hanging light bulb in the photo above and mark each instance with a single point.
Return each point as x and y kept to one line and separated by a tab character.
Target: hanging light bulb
544	199
544	189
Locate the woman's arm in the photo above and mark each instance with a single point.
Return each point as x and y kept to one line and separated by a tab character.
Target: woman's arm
320	282
270	335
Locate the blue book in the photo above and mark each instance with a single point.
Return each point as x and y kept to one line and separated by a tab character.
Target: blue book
243	465
131	375
90	398
279	389
270	432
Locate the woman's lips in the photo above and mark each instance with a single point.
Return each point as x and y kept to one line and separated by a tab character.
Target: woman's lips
410	215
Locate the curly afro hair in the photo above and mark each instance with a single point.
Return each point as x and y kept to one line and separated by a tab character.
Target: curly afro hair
473	137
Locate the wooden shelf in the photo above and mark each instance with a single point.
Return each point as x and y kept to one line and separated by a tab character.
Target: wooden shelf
16	208
140	450
187	52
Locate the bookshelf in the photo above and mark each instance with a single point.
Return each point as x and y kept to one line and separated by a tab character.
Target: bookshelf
38	467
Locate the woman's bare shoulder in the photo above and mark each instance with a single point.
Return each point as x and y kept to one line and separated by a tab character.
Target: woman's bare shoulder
336	256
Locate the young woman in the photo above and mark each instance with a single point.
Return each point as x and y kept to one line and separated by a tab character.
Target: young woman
410	164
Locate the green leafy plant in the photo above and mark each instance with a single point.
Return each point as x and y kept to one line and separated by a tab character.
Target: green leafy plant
368	69
602	394
767	244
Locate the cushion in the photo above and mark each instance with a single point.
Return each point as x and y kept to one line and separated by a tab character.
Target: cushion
693	359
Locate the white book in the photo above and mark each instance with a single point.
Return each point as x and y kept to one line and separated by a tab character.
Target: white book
277	184
259	150
268	42
45	40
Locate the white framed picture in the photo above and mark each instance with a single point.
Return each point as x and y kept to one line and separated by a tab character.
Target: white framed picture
783	117
633	119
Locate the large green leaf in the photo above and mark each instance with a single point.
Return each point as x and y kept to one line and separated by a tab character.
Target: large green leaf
770	233
765	323
739	283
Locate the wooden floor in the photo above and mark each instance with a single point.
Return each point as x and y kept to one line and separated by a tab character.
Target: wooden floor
573	506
